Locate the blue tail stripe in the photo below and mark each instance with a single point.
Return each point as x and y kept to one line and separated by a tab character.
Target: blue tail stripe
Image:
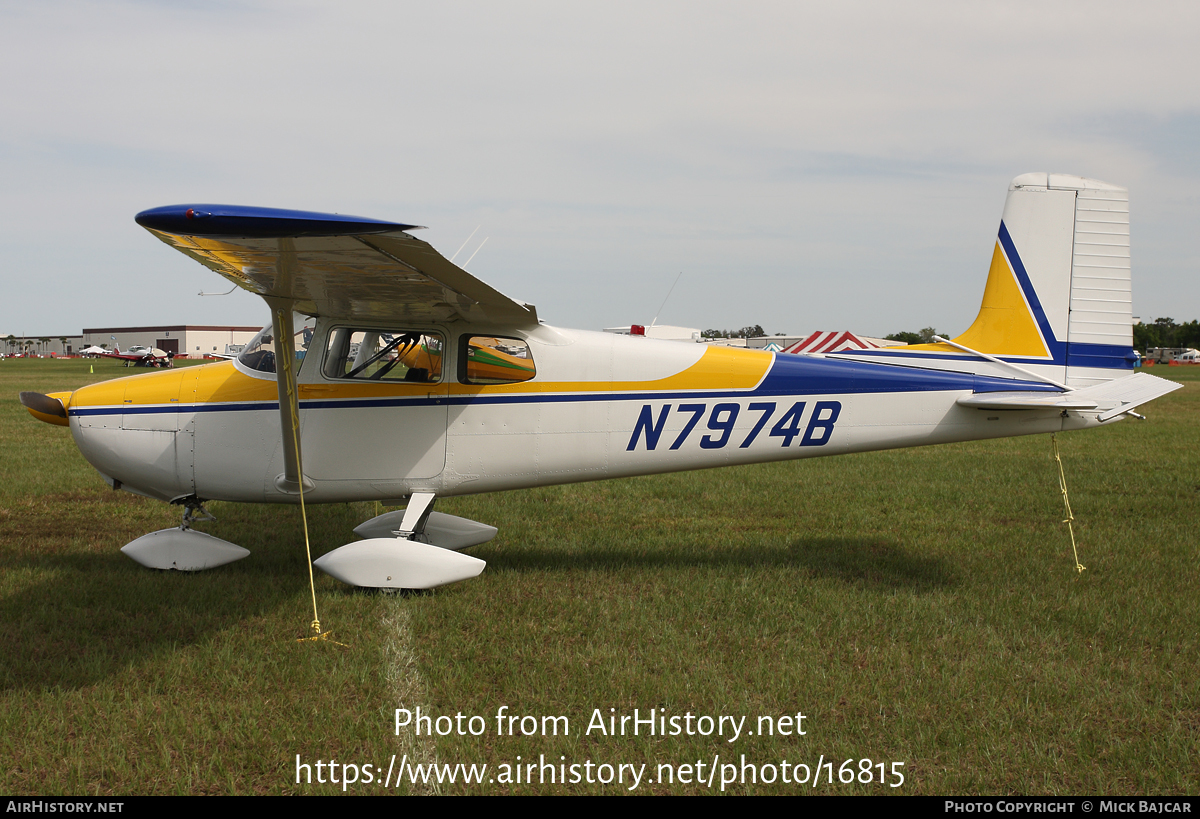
1058	349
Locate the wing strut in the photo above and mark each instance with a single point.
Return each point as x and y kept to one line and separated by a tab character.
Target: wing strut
289	413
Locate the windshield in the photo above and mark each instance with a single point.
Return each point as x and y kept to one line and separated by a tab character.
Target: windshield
259	354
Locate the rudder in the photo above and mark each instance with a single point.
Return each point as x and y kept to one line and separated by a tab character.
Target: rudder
1071	234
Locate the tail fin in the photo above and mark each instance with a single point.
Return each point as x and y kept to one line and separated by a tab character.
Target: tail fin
1058	293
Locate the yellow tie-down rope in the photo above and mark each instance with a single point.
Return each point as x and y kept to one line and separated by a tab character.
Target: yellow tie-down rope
294	416
315	626
1062	485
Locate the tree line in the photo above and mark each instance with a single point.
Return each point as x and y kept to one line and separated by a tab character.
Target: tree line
753	331
924	336
1163	332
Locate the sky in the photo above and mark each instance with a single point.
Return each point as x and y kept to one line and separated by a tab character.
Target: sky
804	165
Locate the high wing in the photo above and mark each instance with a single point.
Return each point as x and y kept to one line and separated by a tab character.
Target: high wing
332	265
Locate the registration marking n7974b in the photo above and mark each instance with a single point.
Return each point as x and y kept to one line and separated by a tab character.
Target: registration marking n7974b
723	417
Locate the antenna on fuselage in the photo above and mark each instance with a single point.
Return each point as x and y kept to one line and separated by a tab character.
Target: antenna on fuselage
664	303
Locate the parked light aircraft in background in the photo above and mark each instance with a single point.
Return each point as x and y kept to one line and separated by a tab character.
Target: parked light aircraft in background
137	356
410	379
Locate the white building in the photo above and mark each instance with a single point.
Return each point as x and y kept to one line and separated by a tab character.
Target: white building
193	341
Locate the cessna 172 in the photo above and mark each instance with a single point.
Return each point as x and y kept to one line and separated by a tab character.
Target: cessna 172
413	380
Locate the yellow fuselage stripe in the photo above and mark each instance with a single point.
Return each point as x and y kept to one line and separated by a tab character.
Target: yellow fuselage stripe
719	368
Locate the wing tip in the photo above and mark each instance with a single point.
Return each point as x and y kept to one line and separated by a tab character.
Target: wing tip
261	223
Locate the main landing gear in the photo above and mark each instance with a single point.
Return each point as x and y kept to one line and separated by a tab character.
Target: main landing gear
411	549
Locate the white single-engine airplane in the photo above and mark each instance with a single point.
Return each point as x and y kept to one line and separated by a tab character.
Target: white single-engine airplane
139	355
416	380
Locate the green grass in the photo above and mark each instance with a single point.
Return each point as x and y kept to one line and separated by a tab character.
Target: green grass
918	606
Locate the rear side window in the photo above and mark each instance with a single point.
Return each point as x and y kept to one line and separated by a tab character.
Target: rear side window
492	360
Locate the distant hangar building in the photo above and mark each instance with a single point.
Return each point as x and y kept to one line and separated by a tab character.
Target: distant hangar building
194	341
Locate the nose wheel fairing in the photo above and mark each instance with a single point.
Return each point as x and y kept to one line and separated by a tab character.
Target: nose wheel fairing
184	549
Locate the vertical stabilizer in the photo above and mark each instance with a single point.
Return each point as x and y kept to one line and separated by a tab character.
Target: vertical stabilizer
1058	294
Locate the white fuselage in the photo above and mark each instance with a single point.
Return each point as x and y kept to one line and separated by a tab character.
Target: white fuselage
600	406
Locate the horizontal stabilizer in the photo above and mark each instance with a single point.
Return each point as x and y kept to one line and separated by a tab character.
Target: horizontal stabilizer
1112	398
442	530
1130	392
391	563
1026	400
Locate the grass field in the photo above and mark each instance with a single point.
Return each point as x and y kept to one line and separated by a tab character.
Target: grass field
917	606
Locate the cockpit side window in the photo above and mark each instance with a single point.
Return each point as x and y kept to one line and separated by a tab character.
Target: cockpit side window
259	354
413	356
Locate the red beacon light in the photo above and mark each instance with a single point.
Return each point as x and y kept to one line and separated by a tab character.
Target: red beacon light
637	330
